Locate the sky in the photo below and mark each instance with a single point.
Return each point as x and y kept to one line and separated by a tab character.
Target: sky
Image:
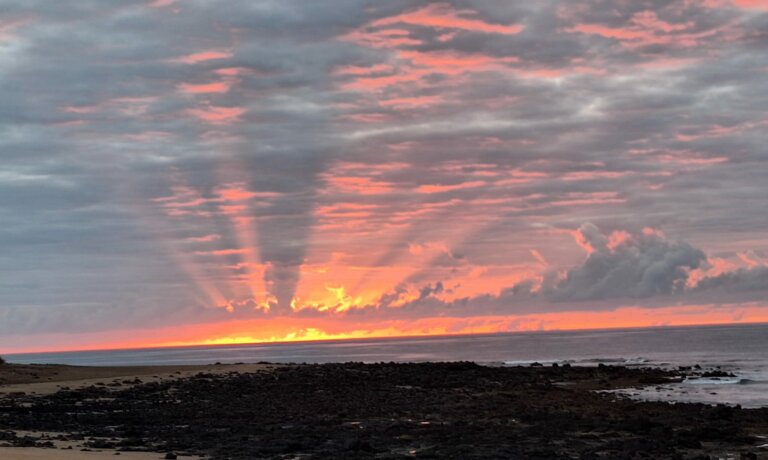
188	171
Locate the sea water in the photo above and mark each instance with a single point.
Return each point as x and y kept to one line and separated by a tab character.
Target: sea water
738	349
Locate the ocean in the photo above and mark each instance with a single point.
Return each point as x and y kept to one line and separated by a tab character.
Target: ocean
738	349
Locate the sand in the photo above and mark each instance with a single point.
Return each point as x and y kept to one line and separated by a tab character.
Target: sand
47	379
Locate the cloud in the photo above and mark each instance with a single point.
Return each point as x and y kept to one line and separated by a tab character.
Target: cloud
368	129
444	16
737	281
640	266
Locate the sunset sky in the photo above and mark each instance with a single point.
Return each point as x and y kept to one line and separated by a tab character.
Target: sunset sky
190	171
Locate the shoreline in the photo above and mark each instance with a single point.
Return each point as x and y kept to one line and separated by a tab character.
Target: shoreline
46	379
391	411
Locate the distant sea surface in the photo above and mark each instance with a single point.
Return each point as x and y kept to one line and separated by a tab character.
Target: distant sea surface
739	349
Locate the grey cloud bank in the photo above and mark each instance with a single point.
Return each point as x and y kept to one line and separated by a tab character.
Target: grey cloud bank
444	140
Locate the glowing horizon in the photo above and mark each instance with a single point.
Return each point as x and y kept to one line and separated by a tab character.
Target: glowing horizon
612	322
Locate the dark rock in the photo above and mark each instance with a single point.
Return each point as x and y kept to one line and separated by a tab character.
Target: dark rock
356	411
717	373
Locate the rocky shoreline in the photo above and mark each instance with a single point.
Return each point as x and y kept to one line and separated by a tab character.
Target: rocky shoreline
387	411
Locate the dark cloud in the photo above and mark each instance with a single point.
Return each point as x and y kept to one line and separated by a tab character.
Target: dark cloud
641	266
737	281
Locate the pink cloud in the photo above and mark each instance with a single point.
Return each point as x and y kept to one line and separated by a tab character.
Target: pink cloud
588	199
217	115
7	27
346	211
443	16
453	62
539	258
234	193
374	83
367	117
204	239
81	109
359	70
186	200
221	252
205	88
756	4
389	38
161	3
448	188
721	131
375	168
361	185
416	65
751	260
650	21
410	102
203	56
746	4
692	159
593	175
230	71
145	136
618	238
645	28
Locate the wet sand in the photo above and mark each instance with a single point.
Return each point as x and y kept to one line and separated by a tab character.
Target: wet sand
386	411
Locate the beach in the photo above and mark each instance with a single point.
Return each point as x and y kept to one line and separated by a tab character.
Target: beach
44	379
392	411
22	380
